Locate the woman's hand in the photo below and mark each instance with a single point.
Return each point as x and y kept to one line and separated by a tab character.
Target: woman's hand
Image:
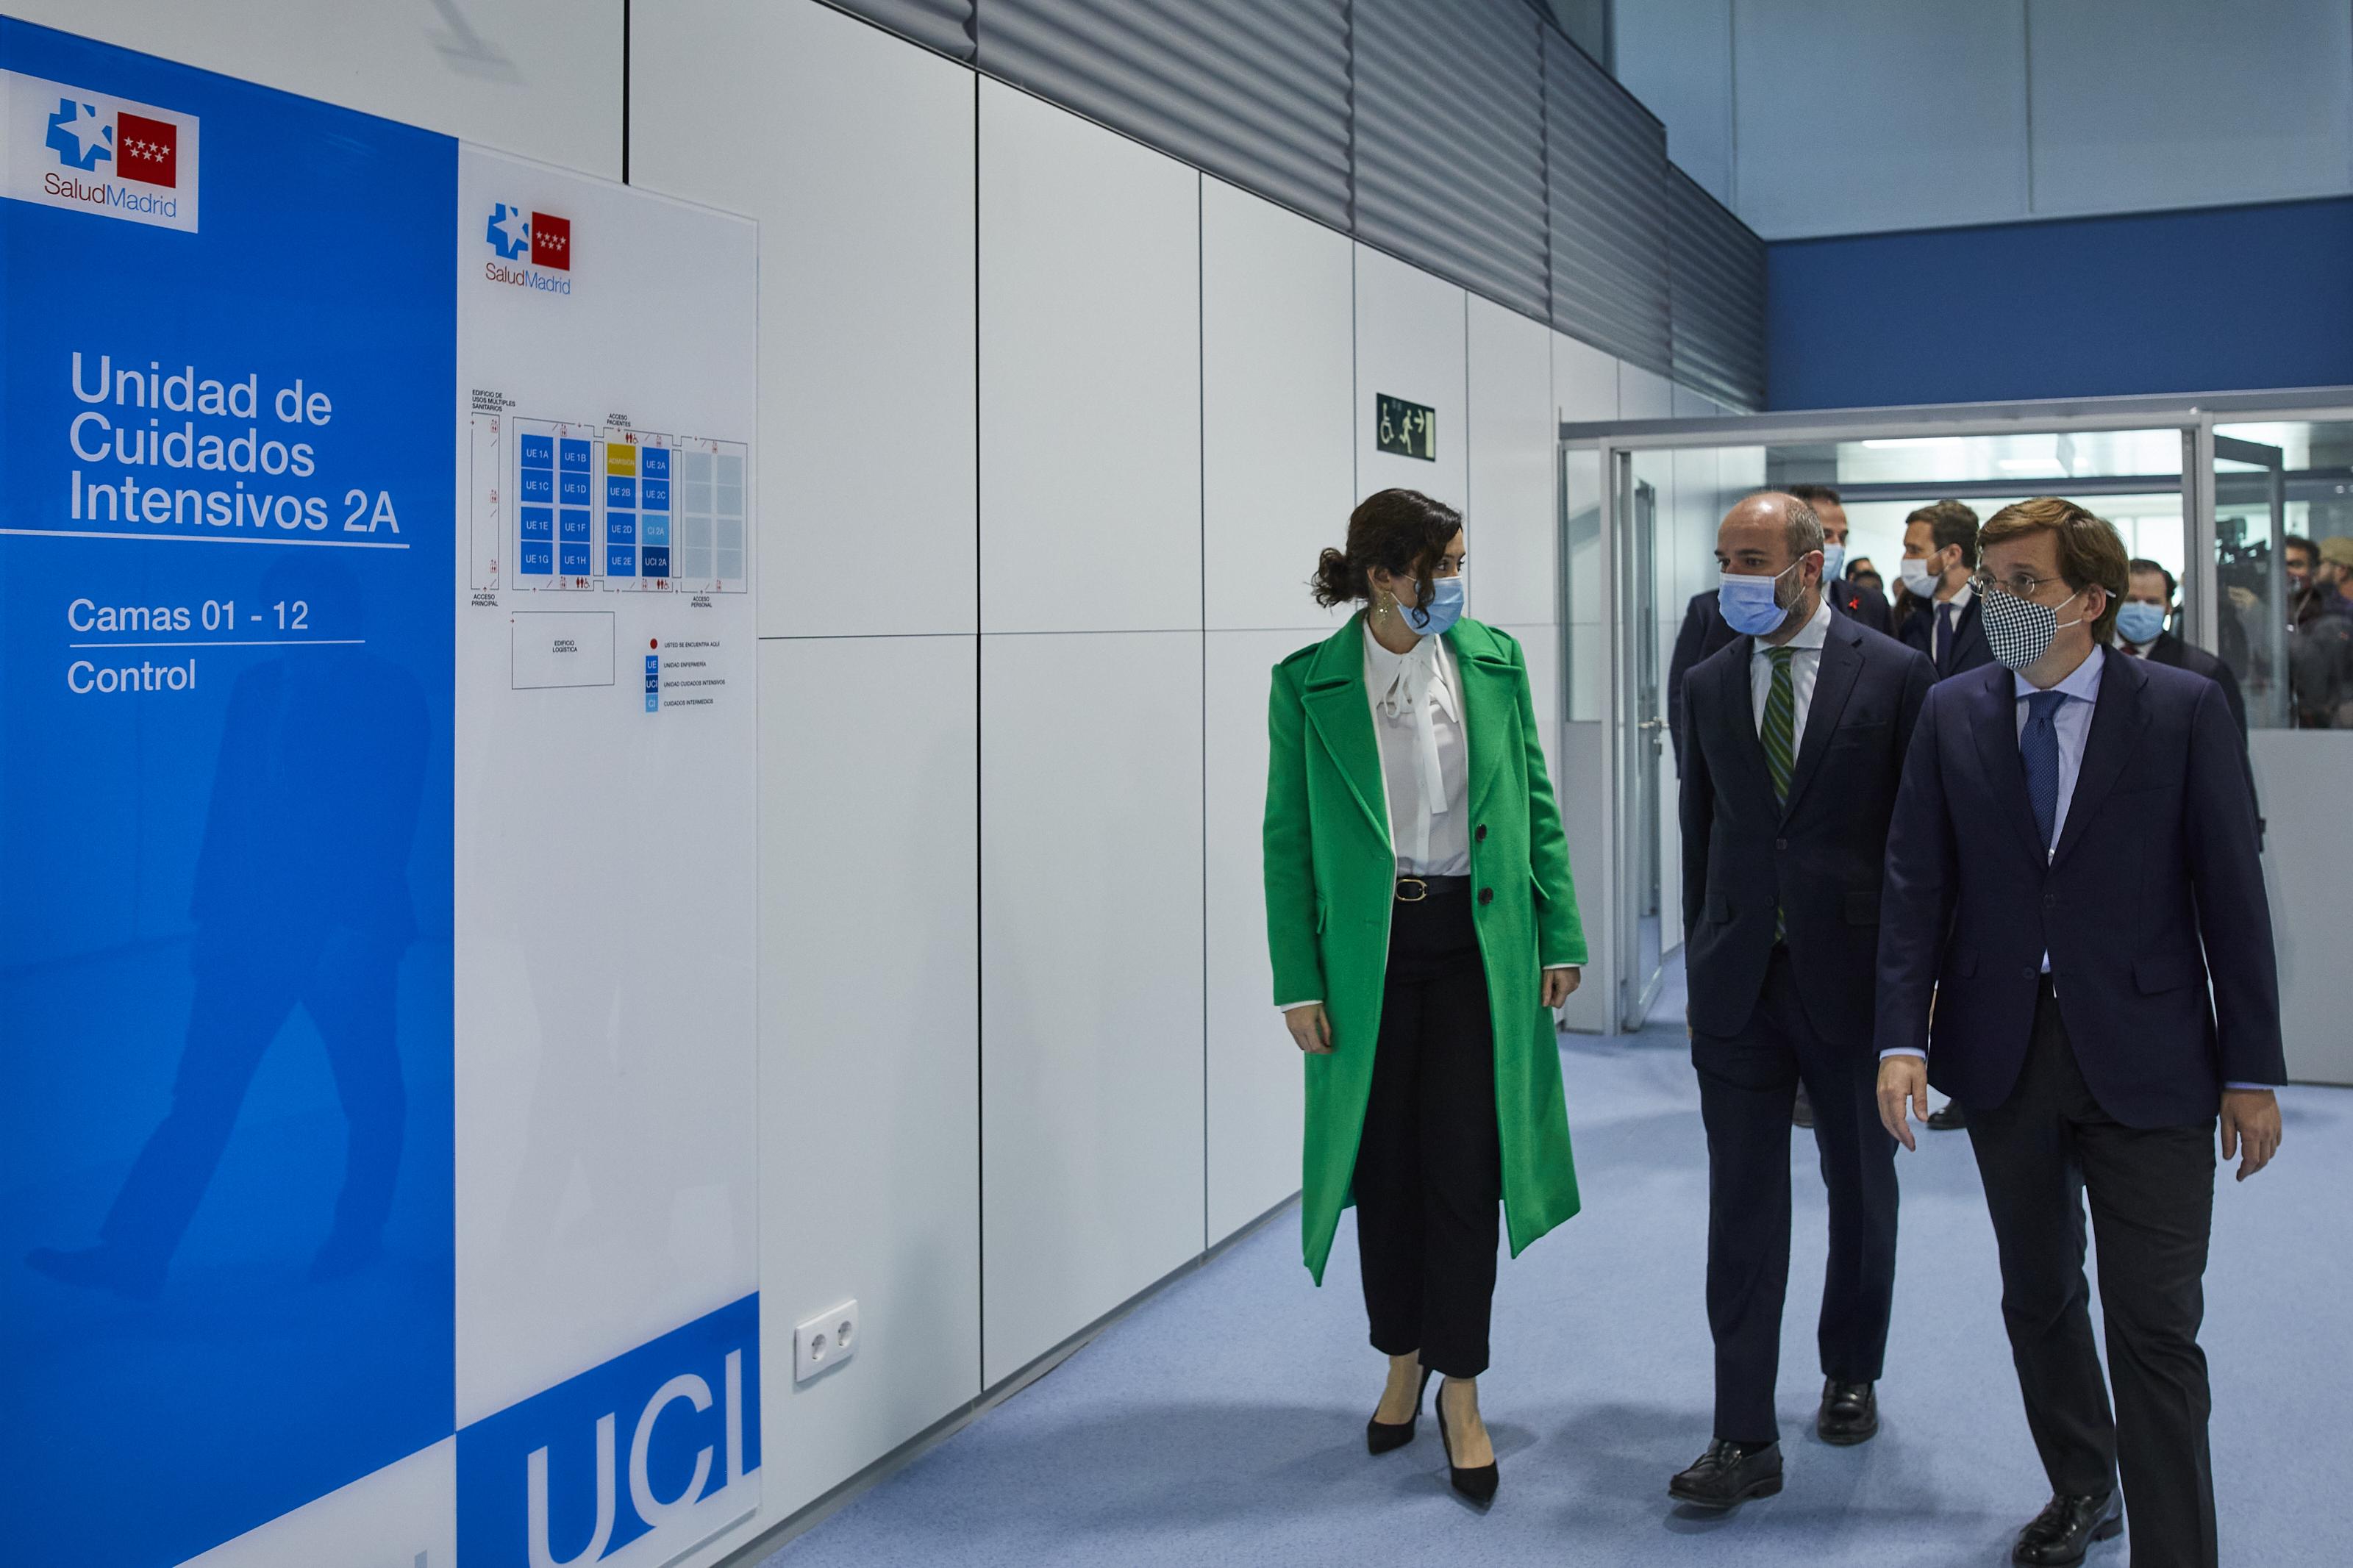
1310	1028
1559	983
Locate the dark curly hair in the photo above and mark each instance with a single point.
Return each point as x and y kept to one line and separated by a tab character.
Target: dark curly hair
1401	532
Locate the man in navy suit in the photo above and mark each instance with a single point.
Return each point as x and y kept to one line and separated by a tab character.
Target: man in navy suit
2071	867
1794	744
1940	606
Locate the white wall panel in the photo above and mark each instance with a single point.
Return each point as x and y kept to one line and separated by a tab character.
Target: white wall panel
1582	782
1256	1089
869	1065
1511	516
542	78
1584	381
1690	405
1090	375
856	155
2300	777
1676	57
1278	378
1409	328
1644	395
2177	104
1856	114
1090	985
1586	385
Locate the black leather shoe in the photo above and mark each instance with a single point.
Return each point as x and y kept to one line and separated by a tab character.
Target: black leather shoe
99	1268
1380	1436
1850	1412
2065	1530
1802	1114
1950	1118
1478	1483
1729	1474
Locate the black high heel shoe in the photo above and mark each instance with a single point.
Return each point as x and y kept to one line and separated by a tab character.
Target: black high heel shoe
1478	1485
1380	1436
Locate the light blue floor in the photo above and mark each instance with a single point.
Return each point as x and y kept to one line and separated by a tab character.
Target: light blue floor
1223	1423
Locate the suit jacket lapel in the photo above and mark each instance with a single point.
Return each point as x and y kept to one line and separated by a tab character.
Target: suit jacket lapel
1993	723
1342	716
1841	662
1969	627
1489	705
2117	719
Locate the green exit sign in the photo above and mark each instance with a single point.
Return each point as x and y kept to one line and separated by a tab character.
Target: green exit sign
1407	429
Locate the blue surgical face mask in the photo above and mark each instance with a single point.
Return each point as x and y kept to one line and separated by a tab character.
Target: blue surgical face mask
1445	608
1833	562
2138	621
1752	605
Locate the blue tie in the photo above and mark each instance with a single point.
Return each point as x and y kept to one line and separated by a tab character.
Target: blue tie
2039	746
1942	655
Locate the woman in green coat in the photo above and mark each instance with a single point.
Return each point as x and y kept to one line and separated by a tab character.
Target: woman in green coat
1423	926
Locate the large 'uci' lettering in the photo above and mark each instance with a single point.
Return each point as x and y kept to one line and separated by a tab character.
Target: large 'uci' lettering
654	1511
535	1503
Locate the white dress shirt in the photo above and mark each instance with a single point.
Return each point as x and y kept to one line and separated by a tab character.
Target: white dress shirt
1425	755
1425	745
1805	671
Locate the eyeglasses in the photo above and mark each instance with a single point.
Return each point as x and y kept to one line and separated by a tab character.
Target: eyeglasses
2019	585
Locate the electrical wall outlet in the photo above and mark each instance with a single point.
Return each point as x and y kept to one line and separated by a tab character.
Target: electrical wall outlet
824	1340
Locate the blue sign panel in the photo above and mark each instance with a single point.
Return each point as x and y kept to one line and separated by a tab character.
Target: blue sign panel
225	688
575	1473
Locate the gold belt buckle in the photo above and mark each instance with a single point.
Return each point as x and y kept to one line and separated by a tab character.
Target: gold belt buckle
1421	891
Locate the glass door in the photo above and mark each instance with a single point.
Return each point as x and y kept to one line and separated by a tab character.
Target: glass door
2251	602
1640	964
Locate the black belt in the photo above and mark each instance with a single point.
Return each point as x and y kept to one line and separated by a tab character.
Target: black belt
1421	889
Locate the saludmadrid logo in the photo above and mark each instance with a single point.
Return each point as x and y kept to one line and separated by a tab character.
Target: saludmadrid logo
93	153
541	241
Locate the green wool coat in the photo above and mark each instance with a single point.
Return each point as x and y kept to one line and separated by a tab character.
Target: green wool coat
1330	884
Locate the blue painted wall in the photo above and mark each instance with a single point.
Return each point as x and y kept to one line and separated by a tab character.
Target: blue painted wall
2218	300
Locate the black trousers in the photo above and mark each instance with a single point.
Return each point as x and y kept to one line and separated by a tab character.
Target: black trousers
1430	1174
2152	1198
1748	1086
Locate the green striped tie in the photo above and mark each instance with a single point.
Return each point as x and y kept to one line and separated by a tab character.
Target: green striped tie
1780	731
1779	736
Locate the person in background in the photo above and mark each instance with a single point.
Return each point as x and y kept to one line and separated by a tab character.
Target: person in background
1941	619
2142	633
2320	636
2073	881
2335	573
1422	926
1797	734
2311	592
1941	614
1864	605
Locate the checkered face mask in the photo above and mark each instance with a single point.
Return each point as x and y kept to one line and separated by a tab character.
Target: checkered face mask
2019	630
